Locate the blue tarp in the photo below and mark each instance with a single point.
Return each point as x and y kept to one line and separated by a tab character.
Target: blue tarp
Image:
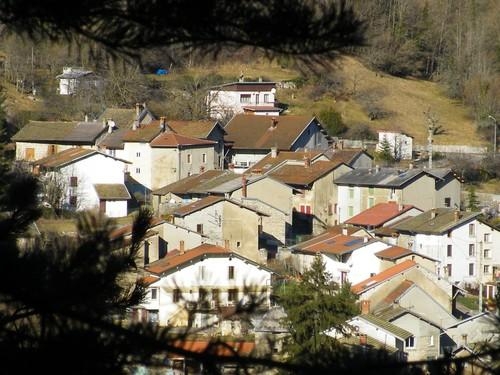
162	72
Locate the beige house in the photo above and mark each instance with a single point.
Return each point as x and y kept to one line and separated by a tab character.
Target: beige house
363	188
226	222
39	139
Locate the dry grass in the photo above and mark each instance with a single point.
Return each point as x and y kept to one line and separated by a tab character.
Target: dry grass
69	225
404	100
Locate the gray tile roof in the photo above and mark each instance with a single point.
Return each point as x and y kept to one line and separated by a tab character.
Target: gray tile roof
387	326
59	132
112	191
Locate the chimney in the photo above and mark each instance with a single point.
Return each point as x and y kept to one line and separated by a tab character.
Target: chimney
456	215
86	118
104	123
400	206
307	161
181	247
363	339
365	306
365	239
226	244
274	152
138	109
111	125
135	125
274	122
244	186
377	168
433	213
344	230
410	166
162	124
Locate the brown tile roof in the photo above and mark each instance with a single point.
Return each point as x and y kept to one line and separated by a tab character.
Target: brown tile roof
169	139
347	156
393	253
291	174
171	262
144	133
198	205
397	292
65	157
257	132
196	129
331	243
385	275
112	191
193	183
268	162
379	214
148	280
59	132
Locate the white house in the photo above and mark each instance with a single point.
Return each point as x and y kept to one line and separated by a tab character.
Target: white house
88	179
463	243
207	278
346	258
401	145
73	79
238	97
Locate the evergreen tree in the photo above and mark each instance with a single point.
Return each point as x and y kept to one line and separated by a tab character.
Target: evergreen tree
472	199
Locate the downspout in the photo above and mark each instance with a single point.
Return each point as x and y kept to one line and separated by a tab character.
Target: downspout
178	162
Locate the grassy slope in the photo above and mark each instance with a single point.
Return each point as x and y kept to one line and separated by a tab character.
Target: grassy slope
405	100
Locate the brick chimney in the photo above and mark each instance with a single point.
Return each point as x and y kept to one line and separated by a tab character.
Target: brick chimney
243	186
365	306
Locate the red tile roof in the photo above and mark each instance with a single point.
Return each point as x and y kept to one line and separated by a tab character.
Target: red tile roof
221	349
172	261
379	214
397	292
383	276
169	139
331	243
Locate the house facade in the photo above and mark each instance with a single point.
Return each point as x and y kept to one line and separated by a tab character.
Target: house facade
208	277
75	79
239	97
89	180
400	145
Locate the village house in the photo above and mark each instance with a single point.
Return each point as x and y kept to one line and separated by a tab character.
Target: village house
233	98
347	258
363	188
207	278
227	222
399	145
461	241
38	139
88	179
250	138
73	80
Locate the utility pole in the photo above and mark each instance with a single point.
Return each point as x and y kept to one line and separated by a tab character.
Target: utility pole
494	135
432	120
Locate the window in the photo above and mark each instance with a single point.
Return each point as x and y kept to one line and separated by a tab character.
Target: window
487	253
238	244
73	181
199	228
448	270
202	294
471	269
371	202
245	98
232	295
52	149
176	297
431	340
189	158
371	190
138	154
154	293
351	193
29	153
410	342
203	158
215	295
447	203
472	230
487	237
72	200
486	268
350	211
472	250
138	170
305	209
230	273
449	250
266	98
